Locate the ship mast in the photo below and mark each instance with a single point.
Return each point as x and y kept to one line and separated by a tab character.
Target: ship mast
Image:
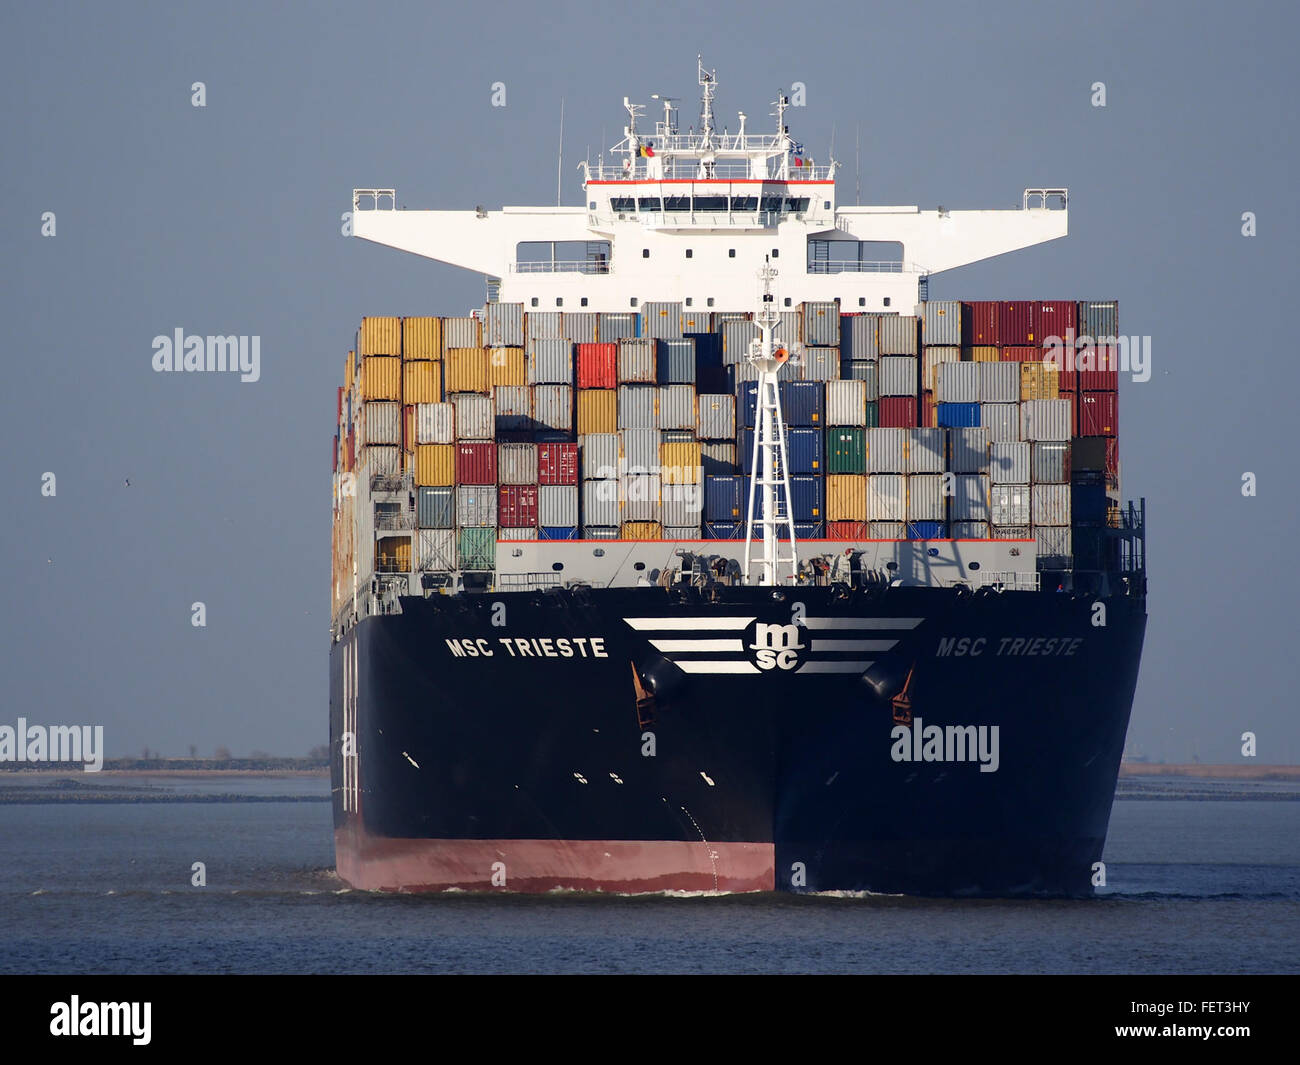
769	479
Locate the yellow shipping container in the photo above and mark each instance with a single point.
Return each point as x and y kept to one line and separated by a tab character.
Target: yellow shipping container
350	370
597	410
422	382
422	338
979	354
846	497
641	530
681	462
393	554
381	377
467	370
380	336
506	366
435	465
1038	381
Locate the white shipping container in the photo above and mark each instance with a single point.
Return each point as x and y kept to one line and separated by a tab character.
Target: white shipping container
614	325
846	403
662	321
1053	543
640	449
600	502
969	450
821	323
682	504
545	324
897	334
718	458
1050	504
887	452
970	499
999	382
677	407
475	417
1009	504
436	550
958	382
381	459
636	407
1045	419
516	464
514	408
925	499
476	505
1009	463
1002	420
503	326
435	423
1051	462
381	423
516	534
640	496
599	456
681	532
735	341
557	505
859	337
820	364
1010	532
717	416
970	530
553	407
897	375
931	359
926	450
887	497
462	333
580	326
636	361
940	321
600	532
550	361
887	530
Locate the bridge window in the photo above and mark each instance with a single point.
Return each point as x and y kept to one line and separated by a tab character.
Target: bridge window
650	203
744	203
772	204
622	203
677	203
854	256
710	203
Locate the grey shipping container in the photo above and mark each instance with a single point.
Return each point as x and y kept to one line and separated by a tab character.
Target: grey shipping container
1053	543
897	375
557	505
516	464
476	505
677	407
545	324
636	407
612	326
859	336
1098	318
959	382
435	423
514	408
735	341
820	364
940	321
887	497
866	372
887	530
968	450
1045	419
789	329
662	321
599	454
676	360
970	498
462	333
600	532
553	407
436	508
1051	462
681	504
925	498
681	532
897	334
639	494
695	320
636	361
475	417
887	452
926	451
504	325
510	533
381	423
717	416
381	458
436	550
1009	462
718	458
640	449
550	361
580	326
678	436
1010	532
745	371
1009	504
846	403
999	382
821	324
1050	504
970	530
932	357
1002	420
600	502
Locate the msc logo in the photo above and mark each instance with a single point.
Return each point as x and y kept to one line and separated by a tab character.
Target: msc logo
774	646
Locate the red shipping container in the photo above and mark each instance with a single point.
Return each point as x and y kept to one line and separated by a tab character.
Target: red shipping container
476	463
1015	322
1098	414
898	412
597	366
1055	318
557	463
1098	368
847	530
517	506
1021	354
979	323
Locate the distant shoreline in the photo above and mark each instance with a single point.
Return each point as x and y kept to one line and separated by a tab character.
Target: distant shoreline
1211	772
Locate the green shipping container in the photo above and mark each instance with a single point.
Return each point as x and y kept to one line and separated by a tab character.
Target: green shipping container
478	549
846	450
873	414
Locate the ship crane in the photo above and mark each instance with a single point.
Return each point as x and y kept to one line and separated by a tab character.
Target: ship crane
769	477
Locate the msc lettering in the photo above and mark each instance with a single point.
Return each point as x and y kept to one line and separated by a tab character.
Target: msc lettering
521	647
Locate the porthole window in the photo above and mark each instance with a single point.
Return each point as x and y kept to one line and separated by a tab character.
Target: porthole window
598	552
533	302
862	301
632	301
776	253
891	565
731	253
639	566
584	301
645	253
973	565
689	253
688	301
559	301
787	301
557	566
591	206
886	301
709	301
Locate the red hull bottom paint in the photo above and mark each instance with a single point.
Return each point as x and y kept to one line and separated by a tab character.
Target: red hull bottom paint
539	865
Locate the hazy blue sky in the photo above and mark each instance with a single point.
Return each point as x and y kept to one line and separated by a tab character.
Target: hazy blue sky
226	219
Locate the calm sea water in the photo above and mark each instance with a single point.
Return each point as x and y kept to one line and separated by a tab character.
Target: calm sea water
1196	885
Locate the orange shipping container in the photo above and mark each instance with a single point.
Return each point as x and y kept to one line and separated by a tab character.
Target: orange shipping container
467	370
981	353
435	465
350	370
422	382
380	336
507	367
597	411
846	497
422	338
381	378
393	554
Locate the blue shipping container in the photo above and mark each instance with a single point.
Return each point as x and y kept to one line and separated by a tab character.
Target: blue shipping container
804	448
708	349
724	530
809	530
957	415
557	532
803	404
1088	504
927	530
807	502
723	499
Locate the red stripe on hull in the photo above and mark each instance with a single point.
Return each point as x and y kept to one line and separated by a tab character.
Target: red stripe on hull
538	865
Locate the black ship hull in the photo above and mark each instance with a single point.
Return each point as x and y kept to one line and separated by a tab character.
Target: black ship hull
904	740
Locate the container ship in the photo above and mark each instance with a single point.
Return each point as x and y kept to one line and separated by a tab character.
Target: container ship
712	554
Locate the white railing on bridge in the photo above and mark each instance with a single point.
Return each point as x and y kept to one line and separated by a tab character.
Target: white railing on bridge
877	267
1043	196
375	196
561	266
